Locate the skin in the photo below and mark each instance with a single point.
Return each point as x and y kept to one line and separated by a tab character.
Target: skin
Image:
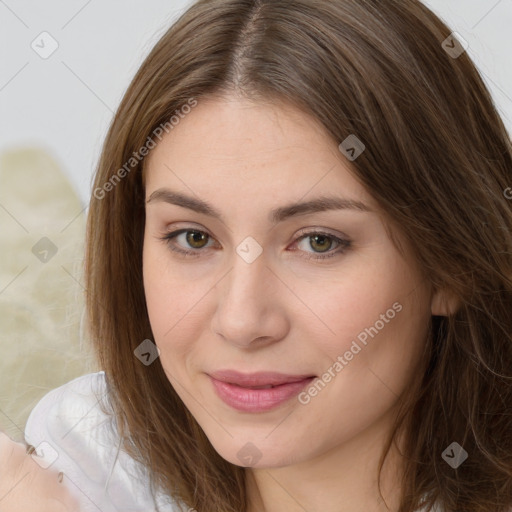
282	312
24	485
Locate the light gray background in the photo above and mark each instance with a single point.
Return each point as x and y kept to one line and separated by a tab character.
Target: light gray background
65	103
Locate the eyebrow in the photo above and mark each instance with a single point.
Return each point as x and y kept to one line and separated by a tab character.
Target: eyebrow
319	204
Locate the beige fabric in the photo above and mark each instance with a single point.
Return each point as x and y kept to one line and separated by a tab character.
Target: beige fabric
41	300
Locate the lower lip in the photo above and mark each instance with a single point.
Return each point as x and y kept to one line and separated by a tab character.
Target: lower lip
257	400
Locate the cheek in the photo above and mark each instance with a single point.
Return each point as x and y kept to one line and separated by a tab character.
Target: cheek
166	295
174	305
371	359
374	316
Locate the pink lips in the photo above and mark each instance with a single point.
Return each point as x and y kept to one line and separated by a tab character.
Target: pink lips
252	392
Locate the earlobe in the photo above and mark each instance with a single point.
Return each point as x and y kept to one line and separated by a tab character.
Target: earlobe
444	303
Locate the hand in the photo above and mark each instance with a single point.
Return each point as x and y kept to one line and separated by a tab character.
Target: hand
24	485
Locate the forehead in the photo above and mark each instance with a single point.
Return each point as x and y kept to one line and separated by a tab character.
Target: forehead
267	148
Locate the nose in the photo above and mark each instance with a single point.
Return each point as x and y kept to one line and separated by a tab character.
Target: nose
250	305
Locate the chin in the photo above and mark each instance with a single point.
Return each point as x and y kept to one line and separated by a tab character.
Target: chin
254	454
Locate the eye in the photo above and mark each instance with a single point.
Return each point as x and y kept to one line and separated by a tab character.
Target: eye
194	237
321	243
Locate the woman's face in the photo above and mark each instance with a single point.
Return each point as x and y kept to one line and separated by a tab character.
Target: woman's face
316	296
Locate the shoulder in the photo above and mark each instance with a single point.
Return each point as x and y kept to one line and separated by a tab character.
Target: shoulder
72	431
67	401
71	414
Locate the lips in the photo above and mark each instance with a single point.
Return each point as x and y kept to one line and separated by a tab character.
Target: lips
257	392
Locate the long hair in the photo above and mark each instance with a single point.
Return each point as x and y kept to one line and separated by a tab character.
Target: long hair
438	160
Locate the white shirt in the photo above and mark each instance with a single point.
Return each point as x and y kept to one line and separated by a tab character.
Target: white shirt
79	439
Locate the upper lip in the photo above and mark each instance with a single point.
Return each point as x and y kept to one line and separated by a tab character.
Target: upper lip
256	378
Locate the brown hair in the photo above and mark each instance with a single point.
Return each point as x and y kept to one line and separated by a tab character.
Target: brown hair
437	160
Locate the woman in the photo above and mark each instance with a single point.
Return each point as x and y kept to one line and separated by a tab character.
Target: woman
246	370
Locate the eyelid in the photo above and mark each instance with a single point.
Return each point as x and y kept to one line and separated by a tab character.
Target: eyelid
317	230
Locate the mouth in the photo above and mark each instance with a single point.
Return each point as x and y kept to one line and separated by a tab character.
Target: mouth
257	380
257	392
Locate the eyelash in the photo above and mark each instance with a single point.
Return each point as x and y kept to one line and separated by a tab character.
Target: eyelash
342	247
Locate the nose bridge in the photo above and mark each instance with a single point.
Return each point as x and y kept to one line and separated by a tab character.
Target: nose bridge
243	305
249	273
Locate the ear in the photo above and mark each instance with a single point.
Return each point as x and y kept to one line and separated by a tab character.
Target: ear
444	303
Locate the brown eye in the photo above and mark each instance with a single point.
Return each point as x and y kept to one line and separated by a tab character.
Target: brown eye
316	245
187	242
320	246
196	238
321	243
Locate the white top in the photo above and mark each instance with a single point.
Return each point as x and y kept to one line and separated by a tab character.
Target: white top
72	434
78	439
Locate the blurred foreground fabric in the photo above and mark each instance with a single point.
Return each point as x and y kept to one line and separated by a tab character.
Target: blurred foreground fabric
42	229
